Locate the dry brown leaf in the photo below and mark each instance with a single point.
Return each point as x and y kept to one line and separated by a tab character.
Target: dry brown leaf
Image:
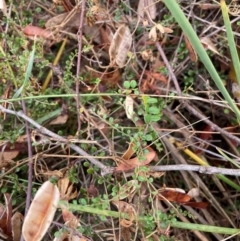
194	192
129	152
66	189
41	212
128	189
147	55
156	174
4	227
7	156
65	21
120	45
135	162
125	234
69	218
17	220
61	119
124	207
173	196
106	36
192	53
208	44
35	31
153	34
71	20
129	107
147	7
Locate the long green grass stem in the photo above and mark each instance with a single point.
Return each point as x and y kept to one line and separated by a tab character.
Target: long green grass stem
178	14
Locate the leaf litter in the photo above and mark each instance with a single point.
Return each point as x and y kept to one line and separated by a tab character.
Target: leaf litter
119	49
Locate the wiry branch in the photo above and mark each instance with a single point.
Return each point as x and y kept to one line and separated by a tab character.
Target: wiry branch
43	130
196	168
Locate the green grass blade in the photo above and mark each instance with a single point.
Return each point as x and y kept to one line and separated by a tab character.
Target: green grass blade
231	42
28	74
176	224
176	11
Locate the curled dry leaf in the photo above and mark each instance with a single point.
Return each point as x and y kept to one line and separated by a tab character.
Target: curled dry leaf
129	152
179	196
69	218
173	196
120	45
137	161
153	34
32	31
208	44
41	212
147	55
127	189
61	119
124	207
66	189
194	192
106	36
129	107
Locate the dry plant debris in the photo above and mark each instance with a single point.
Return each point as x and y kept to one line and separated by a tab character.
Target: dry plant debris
110	101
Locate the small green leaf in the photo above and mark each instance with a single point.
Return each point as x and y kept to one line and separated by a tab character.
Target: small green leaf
148	137
154	110
133	84
151	100
126	84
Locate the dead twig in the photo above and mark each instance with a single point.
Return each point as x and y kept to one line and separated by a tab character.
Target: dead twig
80	33
43	130
196	168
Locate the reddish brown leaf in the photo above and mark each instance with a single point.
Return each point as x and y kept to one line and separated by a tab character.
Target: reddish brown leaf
135	162
174	196
4	222
201	205
192	53
32	31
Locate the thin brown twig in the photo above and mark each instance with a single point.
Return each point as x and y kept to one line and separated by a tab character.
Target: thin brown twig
104	169
30	164
81	21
